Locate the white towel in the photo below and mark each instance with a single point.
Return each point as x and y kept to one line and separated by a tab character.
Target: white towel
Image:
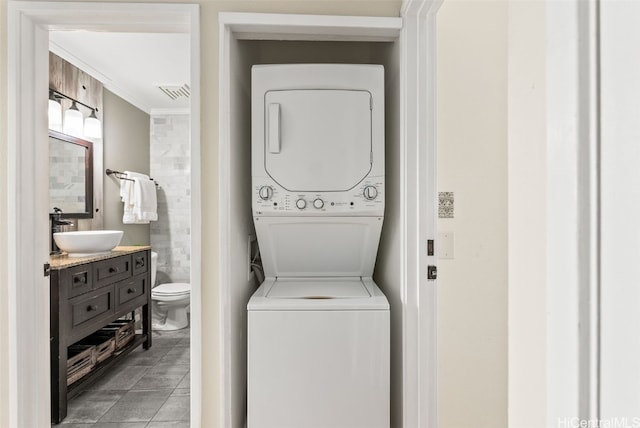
145	206
140	206
126	194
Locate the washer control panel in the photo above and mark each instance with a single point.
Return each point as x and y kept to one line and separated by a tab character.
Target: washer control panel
271	199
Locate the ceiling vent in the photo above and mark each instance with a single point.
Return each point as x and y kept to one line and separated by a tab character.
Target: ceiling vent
174	92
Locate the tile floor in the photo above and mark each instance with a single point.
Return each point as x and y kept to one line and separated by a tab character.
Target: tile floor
148	389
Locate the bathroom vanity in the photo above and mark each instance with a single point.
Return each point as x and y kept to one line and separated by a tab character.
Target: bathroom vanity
87	294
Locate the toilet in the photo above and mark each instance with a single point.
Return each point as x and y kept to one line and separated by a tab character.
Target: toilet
170	301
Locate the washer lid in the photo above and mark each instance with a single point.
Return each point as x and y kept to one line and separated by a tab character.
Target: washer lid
335	288
172	288
315	247
318	294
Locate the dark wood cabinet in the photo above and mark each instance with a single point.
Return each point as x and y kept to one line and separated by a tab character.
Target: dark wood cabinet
87	296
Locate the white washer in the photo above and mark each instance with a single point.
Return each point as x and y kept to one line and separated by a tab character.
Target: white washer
318	326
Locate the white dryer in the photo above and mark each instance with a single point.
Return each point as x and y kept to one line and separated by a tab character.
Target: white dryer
318	326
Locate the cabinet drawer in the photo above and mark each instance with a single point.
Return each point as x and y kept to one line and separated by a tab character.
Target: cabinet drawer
112	270
140	262
130	289
86	309
79	280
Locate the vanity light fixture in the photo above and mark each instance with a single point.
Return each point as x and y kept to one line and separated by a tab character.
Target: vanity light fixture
92	126
74	122
55	112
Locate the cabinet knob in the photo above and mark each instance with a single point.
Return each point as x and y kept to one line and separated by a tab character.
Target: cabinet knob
131	290
92	308
140	262
113	270
79	279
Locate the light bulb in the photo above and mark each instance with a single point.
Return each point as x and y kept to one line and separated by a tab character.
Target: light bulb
92	126
55	113
73	121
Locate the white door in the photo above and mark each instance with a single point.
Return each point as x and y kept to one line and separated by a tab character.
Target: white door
620	208
318	140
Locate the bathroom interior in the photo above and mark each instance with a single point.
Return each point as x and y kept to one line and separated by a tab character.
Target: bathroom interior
124	145
137	87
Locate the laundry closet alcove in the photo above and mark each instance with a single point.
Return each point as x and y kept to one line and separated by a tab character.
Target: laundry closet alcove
251	39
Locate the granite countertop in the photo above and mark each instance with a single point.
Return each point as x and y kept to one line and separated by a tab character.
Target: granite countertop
63	261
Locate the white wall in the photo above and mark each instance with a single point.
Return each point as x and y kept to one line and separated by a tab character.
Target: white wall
472	163
527	213
4	260
620	210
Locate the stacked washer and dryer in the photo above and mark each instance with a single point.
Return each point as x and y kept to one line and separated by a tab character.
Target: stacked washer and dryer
318	326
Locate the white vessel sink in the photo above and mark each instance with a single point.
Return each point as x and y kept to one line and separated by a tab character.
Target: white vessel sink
88	243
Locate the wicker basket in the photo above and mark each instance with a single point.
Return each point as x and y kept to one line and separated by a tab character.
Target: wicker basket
105	346
122	331
81	360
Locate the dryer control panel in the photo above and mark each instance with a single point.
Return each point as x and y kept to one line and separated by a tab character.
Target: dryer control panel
367	198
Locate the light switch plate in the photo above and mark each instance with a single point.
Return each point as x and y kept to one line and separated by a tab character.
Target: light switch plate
445	245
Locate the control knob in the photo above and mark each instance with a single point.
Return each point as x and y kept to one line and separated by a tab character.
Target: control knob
265	192
301	204
370	193
318	203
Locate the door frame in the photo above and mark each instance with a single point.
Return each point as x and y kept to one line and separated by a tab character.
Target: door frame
418	177
420	202
28	290
573	234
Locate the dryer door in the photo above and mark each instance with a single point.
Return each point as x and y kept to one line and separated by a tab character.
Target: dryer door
318	140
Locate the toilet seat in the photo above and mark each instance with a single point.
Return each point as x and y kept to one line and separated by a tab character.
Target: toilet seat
172	289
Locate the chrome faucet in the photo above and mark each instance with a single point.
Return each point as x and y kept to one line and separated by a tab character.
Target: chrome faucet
56	226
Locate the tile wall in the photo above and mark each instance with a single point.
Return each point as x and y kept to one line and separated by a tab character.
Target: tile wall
170	167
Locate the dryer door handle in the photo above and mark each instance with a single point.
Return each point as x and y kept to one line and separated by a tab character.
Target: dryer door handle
273	128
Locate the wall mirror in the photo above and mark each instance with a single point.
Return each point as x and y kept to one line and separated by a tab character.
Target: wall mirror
70	175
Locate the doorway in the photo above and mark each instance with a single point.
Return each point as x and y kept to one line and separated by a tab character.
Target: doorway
29	24
407	47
